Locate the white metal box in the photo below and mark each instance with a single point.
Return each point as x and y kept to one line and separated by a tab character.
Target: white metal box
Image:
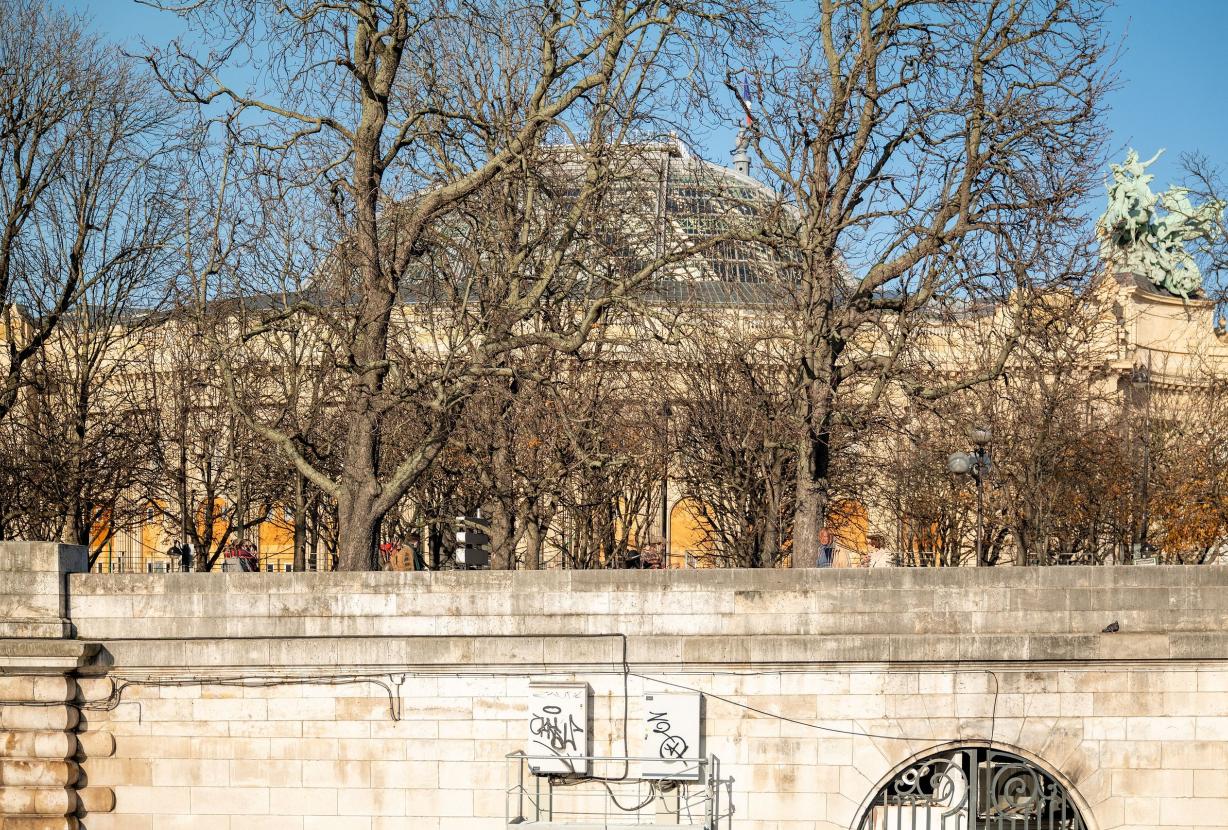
558	729
672	728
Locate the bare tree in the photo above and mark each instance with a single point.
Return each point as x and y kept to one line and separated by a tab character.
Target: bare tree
15	487
938	155
1206	182
606	438
930	508
400	123
81	135
1186	471
564	459
209	479
734	445
83	449
1063	482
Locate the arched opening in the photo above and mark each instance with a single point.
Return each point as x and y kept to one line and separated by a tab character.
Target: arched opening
690	536
971	788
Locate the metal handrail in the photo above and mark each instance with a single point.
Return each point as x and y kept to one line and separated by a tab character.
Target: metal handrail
531	796
569	757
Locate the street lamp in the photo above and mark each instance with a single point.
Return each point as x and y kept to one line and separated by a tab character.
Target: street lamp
975	464
666	412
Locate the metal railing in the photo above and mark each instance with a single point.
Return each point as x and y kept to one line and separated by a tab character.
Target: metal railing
121	562
611	795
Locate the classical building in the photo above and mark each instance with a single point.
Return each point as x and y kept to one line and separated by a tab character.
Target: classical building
1141	337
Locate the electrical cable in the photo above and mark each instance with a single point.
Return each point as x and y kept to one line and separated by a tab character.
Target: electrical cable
626	667
993	714
119	683
652	796
626	672
807	724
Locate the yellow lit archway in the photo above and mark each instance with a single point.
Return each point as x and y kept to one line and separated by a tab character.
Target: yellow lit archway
690	536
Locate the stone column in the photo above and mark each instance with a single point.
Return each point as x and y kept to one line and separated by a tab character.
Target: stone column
39	748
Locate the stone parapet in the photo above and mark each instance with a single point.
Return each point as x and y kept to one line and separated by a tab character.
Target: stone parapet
1041	604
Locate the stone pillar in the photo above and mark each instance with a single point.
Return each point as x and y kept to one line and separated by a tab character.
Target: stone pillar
39	749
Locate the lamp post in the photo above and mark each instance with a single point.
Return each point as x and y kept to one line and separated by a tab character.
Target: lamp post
1141	379
975	464
666	412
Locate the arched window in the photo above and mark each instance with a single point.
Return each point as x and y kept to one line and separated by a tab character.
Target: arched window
971	788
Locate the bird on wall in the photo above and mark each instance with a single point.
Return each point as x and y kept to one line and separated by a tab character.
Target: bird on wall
1111	628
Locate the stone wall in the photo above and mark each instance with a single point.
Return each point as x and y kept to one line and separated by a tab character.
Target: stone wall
41	785
381	701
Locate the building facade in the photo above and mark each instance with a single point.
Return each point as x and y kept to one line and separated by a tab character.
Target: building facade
1136	332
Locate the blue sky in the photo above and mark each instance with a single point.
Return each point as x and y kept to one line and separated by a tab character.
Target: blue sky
1173	70
1171	93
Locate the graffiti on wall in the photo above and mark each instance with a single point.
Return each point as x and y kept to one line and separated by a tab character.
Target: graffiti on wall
557	741
671	734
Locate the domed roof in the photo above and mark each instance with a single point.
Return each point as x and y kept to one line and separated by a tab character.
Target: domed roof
654	200
696	200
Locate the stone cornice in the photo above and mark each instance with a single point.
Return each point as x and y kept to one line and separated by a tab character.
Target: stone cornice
39	655
565	652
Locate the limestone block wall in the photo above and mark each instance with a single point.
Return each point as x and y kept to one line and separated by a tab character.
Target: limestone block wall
308	757
379	701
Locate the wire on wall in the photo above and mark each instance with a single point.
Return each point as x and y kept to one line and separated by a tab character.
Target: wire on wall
993	721
391	684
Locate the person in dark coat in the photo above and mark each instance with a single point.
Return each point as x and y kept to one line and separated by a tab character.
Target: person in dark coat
182	553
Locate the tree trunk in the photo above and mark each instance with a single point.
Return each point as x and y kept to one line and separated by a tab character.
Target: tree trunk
767	551
502	538
359	516
186	528
812	499
435	543
203	538
608	549
817	386
814	464
357	532
74	530
312	520
533	545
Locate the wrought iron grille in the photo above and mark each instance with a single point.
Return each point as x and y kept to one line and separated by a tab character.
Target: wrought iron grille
972	788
